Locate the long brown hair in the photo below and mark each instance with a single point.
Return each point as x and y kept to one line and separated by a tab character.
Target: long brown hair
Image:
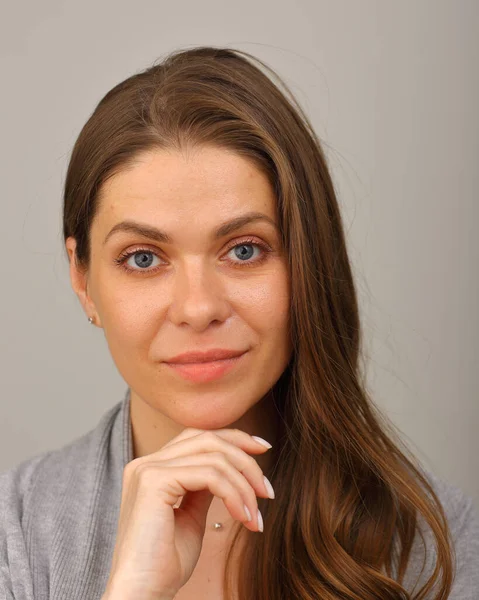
348	491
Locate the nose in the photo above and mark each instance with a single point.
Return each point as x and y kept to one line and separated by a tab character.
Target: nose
199	296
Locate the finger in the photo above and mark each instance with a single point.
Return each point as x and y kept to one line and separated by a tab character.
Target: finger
194	478
208	442
234	436
220	462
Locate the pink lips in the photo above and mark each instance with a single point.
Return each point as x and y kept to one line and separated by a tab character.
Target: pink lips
202	372
205	356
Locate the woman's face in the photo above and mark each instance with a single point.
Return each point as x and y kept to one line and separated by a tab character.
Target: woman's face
194	291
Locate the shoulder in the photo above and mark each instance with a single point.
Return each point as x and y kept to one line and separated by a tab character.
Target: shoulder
46	475
57	510
463	520
15	484
462	515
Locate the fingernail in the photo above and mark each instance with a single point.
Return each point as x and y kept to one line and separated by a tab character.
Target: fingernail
248	514
260	521
269	487
261	441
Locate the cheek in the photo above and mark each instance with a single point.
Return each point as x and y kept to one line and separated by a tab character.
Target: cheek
265	306
265	302
129	318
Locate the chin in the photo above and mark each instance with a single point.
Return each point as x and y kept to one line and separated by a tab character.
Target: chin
218	412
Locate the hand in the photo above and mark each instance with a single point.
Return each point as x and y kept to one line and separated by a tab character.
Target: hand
157	545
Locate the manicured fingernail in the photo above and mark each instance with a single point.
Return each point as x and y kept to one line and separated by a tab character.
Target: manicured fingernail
261	441
269	487
248	514
260	521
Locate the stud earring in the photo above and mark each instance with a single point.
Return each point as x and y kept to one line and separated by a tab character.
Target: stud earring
90	320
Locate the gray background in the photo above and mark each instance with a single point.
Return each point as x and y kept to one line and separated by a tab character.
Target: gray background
391	88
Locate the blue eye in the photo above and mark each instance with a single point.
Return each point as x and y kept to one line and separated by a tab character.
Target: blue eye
142	258
242	254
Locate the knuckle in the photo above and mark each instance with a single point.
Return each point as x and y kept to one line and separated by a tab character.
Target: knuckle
250	497
142	466
132	467
220	459
213	473
253	463
253	468
147	474
247	488
132	464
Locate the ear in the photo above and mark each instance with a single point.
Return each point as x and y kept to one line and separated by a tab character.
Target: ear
79	281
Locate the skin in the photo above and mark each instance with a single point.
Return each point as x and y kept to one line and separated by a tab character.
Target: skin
195	293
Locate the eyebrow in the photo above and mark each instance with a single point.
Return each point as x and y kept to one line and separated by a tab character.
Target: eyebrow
148	231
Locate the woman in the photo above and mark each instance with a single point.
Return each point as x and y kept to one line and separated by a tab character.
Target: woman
177	492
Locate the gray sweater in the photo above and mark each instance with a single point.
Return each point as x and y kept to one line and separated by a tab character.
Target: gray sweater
59	512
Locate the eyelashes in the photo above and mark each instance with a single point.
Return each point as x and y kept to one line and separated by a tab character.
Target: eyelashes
265	250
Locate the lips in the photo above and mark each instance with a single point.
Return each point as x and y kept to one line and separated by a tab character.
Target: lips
205	356
204	372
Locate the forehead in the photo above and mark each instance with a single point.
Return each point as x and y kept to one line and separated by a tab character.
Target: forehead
209	182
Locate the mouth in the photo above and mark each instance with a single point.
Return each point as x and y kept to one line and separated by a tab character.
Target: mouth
203	372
